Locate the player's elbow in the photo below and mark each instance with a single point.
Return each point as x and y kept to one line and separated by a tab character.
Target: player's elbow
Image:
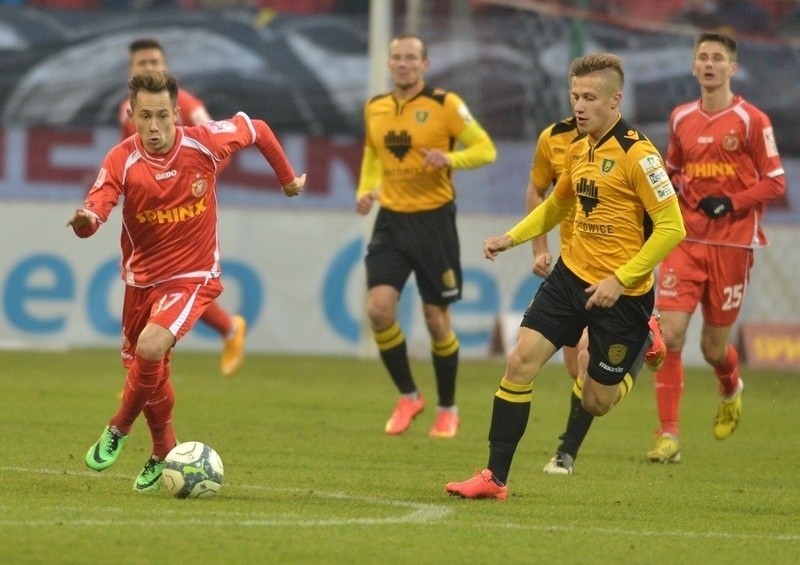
674	235
491	153
484	150
680	233
778	186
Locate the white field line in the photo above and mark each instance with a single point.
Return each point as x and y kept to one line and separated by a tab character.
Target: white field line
416	513
419	514
644	533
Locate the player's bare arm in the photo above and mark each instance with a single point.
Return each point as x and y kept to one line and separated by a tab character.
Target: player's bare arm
496	244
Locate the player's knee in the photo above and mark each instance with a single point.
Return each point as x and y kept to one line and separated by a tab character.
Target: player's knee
151	348
380	315
713	352
520	370
673	339
713	356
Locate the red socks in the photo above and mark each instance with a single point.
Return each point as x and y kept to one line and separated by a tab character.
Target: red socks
669	386
142	379
158	412
728	373
218	318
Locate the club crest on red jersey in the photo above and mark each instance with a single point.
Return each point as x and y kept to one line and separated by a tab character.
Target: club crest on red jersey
199	187
730	142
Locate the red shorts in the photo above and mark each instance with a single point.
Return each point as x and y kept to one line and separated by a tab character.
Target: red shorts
175	305
715	276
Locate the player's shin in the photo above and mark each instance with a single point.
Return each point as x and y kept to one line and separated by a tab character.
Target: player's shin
142	379
578	423
668	389
394	354
445	365
158	412
512	407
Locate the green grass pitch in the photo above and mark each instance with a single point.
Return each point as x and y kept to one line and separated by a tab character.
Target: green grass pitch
311	478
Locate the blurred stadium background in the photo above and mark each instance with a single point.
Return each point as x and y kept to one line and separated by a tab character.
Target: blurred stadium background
307	67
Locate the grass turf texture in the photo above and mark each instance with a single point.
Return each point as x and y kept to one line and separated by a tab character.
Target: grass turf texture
311	478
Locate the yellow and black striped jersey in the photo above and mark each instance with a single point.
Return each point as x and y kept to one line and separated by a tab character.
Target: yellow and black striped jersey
396	134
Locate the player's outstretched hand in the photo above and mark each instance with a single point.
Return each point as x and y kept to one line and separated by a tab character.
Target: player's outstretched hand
81	218
295	187
496	244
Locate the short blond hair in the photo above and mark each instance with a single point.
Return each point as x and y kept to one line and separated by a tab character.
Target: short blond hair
595	63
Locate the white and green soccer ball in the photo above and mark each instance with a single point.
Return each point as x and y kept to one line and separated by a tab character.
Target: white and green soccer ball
192	470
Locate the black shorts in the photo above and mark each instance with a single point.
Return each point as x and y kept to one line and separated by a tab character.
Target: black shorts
616	335
425	243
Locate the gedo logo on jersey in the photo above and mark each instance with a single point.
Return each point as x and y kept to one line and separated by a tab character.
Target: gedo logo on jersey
176	214
166	175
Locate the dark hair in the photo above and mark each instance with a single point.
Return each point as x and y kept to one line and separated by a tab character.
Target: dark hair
596	62
726	40
144	43
412	36
153	81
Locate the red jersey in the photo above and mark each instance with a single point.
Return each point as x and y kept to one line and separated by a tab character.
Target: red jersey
191	112
169	211
728	153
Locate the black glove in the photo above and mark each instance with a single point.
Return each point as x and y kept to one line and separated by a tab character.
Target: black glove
716	206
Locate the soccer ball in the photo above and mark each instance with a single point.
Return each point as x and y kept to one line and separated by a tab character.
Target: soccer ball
192	470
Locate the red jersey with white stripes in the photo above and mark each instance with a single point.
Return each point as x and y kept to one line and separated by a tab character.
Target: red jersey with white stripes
191	112
169	211
727	153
